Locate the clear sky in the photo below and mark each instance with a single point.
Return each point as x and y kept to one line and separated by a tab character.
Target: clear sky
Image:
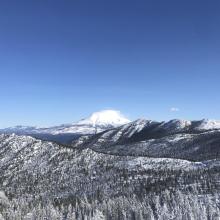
62	60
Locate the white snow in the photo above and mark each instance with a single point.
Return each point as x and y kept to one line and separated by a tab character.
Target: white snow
158	163
103	120
177	124
97	122
106	117
207	124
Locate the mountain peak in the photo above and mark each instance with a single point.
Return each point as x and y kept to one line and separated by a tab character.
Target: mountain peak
207	124
105	117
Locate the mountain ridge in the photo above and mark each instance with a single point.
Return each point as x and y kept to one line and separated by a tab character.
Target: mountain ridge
174	139
96	122
44	179
105	120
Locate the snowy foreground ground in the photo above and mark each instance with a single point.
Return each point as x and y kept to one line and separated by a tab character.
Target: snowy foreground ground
44	180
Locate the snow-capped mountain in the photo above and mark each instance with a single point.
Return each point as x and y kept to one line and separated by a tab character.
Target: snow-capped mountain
95	123
109	121
105	118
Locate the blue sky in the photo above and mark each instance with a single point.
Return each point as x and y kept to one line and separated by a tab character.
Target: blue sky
62	60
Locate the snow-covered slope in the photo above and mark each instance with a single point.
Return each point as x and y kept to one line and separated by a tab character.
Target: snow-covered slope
43	162
174	139
207	124
96	122
47	181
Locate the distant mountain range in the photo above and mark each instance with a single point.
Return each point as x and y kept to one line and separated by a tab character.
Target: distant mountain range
95	123
111	168
102	121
